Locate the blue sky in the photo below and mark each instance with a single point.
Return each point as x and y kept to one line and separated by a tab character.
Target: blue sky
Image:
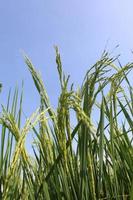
79	28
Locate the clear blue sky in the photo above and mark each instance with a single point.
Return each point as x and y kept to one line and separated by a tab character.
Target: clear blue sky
80	29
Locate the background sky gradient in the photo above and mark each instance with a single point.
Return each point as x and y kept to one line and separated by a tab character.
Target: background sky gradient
81	30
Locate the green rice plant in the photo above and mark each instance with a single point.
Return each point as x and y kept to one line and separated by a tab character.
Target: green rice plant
90	157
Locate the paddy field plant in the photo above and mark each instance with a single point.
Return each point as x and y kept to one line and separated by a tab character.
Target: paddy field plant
88	158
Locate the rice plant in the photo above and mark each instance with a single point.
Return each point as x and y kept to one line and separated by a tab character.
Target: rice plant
88	158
